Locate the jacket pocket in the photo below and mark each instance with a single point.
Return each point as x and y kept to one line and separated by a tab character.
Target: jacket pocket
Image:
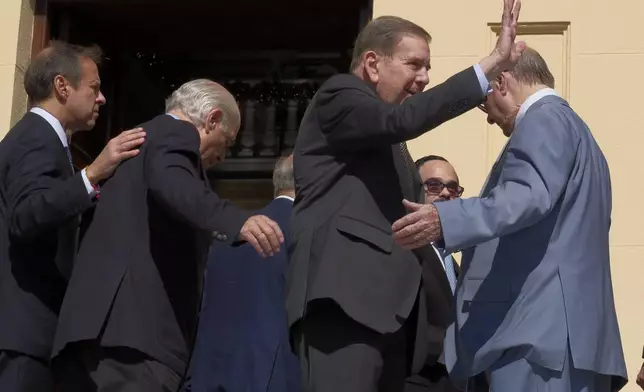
355	228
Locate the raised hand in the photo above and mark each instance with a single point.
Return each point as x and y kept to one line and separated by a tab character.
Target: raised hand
263	234
118	149
507	52
418	228
506	49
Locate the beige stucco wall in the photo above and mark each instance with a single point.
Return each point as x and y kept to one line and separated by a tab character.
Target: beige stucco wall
16	25
597	56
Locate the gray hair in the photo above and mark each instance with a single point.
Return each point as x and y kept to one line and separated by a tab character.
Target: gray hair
197	98
532	69
283	175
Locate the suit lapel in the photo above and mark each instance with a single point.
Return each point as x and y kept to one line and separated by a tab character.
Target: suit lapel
495	172
435	267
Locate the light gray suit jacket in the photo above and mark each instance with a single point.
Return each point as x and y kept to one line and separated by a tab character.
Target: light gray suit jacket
535	264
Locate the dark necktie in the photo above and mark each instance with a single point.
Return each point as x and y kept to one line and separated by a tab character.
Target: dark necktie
69	156
408	167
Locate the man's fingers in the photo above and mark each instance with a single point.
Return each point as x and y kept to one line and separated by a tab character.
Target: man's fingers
276	229
271	236
406	233
255	244
131	144
515	12
263	240
127	154
406	220
411	206
130	132
507	9
132	136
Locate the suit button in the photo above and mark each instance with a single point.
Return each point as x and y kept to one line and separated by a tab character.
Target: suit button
224	237
215	234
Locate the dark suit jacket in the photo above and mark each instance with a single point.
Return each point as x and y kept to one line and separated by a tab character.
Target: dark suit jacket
40	202
137	282
242	343
350	180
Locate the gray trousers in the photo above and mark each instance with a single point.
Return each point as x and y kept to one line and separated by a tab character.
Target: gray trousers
513	374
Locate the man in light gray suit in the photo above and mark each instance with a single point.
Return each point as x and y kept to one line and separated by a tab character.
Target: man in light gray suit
534	306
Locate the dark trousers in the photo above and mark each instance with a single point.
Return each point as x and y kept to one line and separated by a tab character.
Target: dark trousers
88	367
337	354
22	373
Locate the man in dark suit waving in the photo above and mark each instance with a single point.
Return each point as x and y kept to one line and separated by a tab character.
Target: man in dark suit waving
129	317
41	197
242	343
354	296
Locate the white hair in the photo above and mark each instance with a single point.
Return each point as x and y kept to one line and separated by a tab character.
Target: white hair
197	98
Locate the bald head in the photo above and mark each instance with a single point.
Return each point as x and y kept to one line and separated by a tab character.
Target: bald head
532	70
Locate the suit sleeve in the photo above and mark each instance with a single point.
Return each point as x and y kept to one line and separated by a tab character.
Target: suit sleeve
539	160
173	180
352	118
39	199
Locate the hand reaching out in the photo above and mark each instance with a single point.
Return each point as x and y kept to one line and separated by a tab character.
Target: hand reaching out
418	228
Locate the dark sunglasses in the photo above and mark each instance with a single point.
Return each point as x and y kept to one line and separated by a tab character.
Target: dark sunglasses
435	187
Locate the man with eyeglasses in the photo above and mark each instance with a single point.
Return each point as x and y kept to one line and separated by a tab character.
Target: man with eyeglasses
440	183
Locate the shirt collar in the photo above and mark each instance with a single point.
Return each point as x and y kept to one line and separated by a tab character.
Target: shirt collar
285	197
531	101
53	121
173	116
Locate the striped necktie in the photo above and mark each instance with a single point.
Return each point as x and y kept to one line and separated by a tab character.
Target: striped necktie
448	259
409	166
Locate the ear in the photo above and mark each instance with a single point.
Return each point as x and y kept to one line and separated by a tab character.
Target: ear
61	87
215	118
371	62
502	81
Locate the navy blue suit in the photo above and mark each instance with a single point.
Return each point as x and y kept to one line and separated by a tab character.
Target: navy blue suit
242	343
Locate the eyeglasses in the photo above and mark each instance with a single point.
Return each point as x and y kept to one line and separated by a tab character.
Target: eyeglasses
481	106
435	186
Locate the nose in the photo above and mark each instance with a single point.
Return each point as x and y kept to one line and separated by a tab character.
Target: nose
445	193
101	100
423	77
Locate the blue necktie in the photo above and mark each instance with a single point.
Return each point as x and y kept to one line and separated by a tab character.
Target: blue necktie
449	269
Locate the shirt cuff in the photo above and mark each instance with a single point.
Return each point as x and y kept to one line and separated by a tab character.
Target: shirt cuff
483	82
91	191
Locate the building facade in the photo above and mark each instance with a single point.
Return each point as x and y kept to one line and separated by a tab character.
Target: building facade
595	52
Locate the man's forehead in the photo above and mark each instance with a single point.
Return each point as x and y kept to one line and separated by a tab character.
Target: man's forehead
413	44
438	168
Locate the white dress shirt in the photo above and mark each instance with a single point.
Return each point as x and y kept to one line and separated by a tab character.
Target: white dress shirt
58	127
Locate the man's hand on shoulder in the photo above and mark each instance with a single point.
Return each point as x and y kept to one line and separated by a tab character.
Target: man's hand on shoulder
120	148
263	234
418	228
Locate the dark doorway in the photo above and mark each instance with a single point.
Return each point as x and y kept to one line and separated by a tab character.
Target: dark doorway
272	55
